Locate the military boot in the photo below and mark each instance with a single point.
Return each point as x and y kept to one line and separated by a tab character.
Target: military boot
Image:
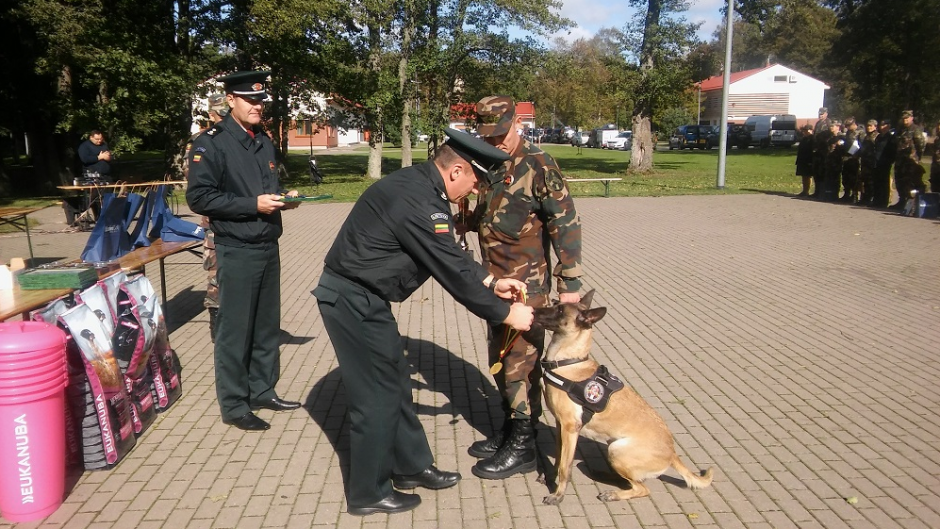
213	313
517	455
488	447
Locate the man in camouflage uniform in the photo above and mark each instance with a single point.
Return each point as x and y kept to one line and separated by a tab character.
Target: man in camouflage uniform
218	109
518	220
820	149
908	172
935	163
851	165
835	157
867	157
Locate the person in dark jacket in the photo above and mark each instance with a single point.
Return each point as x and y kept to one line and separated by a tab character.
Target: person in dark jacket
885	154
398	235
96	157
804	159
851	166
233	181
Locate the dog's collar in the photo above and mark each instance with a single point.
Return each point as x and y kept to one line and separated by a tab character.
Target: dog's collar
561	363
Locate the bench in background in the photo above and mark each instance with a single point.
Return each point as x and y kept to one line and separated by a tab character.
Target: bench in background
606	181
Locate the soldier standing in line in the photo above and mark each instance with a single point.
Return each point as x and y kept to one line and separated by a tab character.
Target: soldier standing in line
851	166
885	151
820	149
804	158
218	109
908	173
519	219
935	164
867	161
835	157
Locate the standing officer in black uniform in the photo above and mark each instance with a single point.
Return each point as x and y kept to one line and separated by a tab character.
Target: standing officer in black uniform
399	234
233	181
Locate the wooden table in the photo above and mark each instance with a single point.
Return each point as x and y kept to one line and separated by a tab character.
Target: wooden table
13	217
20	302
86	192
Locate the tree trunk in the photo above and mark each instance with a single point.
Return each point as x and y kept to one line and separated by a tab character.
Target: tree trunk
641	154
641	157
404	88
375	150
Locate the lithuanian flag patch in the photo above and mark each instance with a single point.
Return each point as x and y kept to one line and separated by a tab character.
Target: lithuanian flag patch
197	157
441	228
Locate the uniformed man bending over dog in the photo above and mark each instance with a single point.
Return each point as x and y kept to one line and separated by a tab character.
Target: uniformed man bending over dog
399	234
233	181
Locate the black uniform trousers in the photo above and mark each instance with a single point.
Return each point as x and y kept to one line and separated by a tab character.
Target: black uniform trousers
247	358
385	434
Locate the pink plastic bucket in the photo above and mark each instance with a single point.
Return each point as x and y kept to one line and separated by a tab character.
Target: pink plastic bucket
32	420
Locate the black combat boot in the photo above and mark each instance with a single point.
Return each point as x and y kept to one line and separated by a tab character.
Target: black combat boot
213	313
488	447
517	455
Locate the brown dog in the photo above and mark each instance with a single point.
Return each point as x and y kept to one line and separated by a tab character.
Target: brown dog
639	444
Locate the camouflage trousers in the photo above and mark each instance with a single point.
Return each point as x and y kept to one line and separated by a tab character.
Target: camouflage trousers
850	178
908	175
519	381
209	265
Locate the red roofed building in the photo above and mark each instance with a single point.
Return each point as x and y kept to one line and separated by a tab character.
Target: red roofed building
773	89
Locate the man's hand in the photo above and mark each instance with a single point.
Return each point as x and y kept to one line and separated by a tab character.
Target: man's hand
104	155
520	317
569	297
507	288
268	204
292	205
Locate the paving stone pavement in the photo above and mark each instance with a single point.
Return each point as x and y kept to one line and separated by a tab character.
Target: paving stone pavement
791	345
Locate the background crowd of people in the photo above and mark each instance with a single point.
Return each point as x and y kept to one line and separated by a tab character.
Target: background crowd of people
835	156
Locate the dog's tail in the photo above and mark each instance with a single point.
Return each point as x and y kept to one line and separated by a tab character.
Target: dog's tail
692	479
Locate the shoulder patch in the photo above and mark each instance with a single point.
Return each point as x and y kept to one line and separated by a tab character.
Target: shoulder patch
212	131
200	149
440	216
554	181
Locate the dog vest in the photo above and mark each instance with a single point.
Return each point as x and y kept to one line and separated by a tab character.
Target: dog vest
592	394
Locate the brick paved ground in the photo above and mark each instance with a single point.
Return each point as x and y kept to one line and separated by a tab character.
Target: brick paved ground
789	344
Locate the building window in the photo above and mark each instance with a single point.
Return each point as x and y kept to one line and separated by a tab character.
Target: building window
780	78
305	127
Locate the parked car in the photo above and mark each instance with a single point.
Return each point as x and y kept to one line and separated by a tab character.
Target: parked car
621	142
738	136
778	130
580	138
565	135
690	137
599	136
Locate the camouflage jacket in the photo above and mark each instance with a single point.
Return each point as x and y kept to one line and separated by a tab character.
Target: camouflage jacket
519	217
867	153
821	135
910	142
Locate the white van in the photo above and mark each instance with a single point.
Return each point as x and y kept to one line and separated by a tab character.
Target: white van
778	130
599	137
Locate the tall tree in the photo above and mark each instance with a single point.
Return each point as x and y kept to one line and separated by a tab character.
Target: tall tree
661	40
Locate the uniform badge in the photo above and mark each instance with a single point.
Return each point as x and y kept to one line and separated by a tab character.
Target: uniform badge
257	87
200	149
554	181
441	228
593	392
196	158
189	146
212	131
440	216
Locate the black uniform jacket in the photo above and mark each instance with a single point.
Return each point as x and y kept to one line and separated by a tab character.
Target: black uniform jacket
400	233
228	169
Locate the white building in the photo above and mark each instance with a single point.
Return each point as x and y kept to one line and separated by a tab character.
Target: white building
773	89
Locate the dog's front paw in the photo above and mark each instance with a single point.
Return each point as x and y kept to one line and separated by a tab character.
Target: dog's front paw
608	496
553	499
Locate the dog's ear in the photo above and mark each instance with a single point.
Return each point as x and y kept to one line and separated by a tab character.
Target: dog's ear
587	299
588	318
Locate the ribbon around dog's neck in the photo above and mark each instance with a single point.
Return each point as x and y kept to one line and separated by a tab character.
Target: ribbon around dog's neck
510	336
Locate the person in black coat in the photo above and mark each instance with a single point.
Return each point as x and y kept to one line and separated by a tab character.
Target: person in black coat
804	159
398	235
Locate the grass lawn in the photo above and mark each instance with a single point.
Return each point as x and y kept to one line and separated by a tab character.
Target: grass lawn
684	172
675	172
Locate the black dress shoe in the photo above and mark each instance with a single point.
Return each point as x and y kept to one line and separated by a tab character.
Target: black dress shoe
430	478
249	422
394	502
274	403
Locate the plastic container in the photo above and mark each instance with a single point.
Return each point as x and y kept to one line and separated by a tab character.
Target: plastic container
32	419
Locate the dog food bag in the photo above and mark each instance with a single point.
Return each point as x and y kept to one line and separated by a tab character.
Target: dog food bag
78	390
112	287
109	410
133	345
97	301
146	303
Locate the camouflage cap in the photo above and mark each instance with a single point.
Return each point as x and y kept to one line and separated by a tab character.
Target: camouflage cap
849	121
884	123
907	114
872	122
823	110
835	123
484	158
495	115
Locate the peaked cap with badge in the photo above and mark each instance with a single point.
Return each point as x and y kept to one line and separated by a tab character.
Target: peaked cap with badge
495	115
484	158
250	84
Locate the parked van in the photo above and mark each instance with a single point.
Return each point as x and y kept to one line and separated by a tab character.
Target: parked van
601	136
778	130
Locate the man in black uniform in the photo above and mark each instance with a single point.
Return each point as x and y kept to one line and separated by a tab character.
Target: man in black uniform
399	234
885	152
233	181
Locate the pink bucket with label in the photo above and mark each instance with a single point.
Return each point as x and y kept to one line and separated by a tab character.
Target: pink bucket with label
32	419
